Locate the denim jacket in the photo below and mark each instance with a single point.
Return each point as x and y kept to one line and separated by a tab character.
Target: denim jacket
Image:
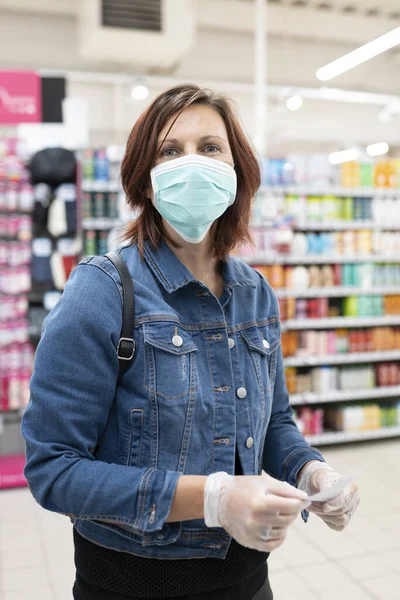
207	378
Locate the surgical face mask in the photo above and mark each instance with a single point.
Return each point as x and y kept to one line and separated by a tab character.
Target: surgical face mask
192	192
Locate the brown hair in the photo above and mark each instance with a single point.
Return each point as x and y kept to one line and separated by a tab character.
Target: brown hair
142	147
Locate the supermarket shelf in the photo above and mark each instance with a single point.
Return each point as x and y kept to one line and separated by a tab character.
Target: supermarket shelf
11	411
101	223
345	396
317	259
339	437
311	190
342	359
332	225
339	292
17	211
340	322
101	186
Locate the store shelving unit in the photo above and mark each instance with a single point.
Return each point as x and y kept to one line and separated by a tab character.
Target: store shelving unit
337	292
101	223
342	359
345	396
338	437
341	322
330	190
345	225
100	186
318	259
321	225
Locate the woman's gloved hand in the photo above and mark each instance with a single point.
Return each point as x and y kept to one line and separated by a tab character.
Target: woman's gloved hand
316	477
255	511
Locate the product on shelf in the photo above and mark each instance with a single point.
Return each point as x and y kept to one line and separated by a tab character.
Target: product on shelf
16	203
100	204
55	243
362	416
363	245
101	199
326	379
310	421
96	242
95	165
314	170
350	306
364	276
340	341
348	417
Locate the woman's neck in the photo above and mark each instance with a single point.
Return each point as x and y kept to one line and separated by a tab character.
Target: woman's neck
200	260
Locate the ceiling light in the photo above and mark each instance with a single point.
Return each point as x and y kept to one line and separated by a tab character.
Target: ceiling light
378	149
362	54
336	158
140	92
294	102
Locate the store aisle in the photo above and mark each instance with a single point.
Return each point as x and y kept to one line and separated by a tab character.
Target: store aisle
36	560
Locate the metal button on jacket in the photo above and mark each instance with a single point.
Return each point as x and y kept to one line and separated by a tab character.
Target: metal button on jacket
177	341
231	343
266	344
249	442
242	392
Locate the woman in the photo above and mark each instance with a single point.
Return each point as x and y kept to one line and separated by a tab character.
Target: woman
171	463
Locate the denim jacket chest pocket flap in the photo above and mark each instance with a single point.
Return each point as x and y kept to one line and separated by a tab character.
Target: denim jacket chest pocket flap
262	343
170	360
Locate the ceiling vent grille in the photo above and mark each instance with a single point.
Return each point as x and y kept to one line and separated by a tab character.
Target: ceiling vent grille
132	14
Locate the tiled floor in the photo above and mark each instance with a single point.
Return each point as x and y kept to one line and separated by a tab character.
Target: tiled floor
363	563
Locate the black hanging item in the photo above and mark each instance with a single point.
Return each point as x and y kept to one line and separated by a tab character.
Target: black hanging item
126	345
53	166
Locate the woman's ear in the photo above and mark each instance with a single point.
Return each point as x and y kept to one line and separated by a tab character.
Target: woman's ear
150	195
150	192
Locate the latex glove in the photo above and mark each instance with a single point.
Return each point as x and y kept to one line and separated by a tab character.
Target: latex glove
255	511
318	476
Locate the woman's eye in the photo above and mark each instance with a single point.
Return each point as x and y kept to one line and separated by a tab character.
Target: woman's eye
168	152
211	148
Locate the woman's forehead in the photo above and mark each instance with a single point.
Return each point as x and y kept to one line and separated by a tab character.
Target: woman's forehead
197	121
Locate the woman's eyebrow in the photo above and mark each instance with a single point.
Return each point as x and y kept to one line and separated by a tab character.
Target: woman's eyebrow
169	141
204	138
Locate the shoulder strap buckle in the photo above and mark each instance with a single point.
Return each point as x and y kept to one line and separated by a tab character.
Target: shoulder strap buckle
126	348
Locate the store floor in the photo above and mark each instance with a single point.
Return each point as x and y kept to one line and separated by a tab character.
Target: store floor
315	563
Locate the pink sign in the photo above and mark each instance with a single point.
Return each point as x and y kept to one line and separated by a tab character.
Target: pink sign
20	97
12	471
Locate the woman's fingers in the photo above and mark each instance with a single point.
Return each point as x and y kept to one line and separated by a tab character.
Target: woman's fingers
280	488
283	506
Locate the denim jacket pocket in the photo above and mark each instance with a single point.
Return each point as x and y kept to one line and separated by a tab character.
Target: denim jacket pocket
262	342
170	361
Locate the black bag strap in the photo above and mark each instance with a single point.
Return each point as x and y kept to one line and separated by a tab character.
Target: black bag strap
126	344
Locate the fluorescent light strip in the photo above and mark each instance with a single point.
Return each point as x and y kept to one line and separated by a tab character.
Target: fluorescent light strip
336	158
357	57
378	149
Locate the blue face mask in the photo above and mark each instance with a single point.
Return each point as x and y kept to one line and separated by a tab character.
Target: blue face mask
191	192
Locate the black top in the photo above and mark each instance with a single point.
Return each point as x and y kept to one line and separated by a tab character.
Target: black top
107	574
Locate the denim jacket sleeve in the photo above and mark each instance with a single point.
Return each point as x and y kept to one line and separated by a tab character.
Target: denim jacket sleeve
285	449
72	391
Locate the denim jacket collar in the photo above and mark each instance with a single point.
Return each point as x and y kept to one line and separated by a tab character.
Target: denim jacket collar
173	275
